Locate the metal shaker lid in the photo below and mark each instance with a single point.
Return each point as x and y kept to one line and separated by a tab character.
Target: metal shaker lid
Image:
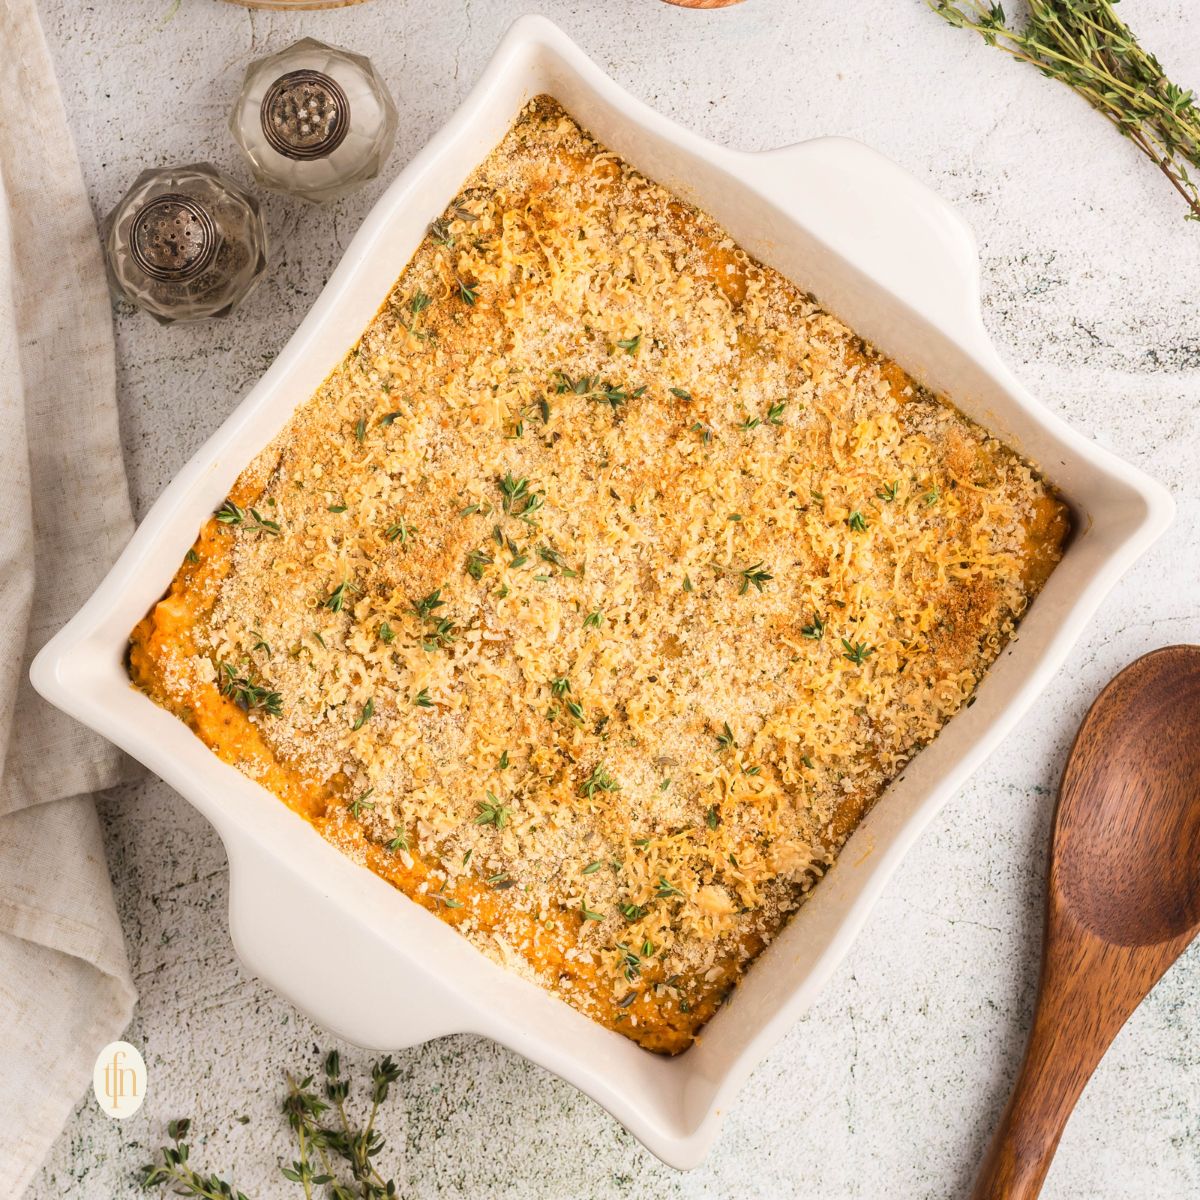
305	114
172	237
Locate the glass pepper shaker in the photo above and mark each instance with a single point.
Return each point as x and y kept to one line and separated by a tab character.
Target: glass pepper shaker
314	120
185	243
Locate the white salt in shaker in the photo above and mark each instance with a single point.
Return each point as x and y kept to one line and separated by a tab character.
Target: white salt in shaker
314	120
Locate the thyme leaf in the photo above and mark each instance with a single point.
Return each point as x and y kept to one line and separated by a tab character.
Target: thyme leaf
368	711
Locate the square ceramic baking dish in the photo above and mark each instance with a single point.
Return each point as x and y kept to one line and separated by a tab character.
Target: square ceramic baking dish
883	253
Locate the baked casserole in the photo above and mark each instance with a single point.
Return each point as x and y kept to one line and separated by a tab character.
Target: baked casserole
601	589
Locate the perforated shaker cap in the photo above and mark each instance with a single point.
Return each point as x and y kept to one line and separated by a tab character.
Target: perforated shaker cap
305	114
172	237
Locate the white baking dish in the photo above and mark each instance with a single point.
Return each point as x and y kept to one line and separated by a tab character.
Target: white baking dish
878	249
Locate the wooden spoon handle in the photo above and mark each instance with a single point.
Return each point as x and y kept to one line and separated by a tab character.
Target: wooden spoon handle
1088	989
1023	1147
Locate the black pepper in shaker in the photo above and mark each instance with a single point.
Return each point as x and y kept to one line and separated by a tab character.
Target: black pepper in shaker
185	243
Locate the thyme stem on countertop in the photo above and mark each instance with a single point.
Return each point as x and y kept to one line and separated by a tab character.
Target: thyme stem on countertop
327	1151
178	1172
1084	44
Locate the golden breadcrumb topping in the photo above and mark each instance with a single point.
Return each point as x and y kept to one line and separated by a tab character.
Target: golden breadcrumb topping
602	588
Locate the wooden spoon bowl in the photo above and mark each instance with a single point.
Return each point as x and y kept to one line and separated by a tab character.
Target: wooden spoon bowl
1123	900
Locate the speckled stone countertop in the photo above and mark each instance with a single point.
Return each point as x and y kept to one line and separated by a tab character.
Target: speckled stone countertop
891	1084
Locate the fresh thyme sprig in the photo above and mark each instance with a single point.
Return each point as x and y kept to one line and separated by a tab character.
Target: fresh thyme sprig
774	416
360	802
357	1146
591	387
599	781
857	652
493	812
248	693
336	599
754	575
552	556
439	231
440	636
231	514
417	305
338	1156
815	630
423	608
304	1109
475	563
631	959
517	499
177	1171
399	531
1084	44
440	897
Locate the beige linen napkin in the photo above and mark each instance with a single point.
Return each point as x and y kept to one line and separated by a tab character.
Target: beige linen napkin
65	988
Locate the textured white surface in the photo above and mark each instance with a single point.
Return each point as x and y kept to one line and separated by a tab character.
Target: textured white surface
891	1084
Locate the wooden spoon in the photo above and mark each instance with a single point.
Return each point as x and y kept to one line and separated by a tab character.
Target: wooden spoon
704	3
1123	902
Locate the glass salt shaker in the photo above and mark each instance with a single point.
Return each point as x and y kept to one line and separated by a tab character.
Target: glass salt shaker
314	120
185	243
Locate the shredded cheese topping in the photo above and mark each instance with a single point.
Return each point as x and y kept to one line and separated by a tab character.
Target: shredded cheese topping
602	588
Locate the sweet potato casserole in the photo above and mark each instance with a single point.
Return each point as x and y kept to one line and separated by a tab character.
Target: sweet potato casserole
601	589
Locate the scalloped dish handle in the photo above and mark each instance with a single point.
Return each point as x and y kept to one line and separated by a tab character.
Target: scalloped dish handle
885	222
288	934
